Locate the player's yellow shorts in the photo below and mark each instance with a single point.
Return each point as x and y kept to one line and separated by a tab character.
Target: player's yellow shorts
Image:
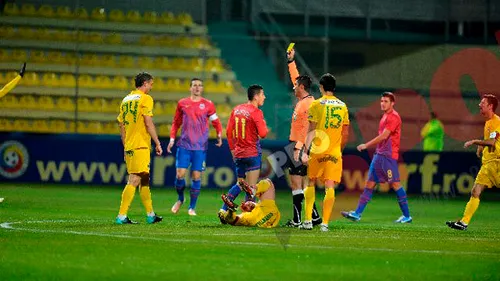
489	174
325	167
138	160
265	214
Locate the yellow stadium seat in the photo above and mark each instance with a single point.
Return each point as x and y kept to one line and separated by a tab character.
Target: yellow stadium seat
103	82
64	12
57	126
9	101
95	37
71	126
174	85
116	15
167	18
10	75
81	127
148	40
199	42
162	63
46	103
82	36
114	38
28	10
65	104
226	87
50	80
81	13
7	32
126	61
46	11
21	125
2	79
180	63
94	127
86	81
168	41
45	34
70	58
90	60
27	101
185	19
4	55
145	63
98	14
38	56
26	33
186	42
210	86
164	130
114	104
6	125
40	126
158	108
195	64
108	60
159	85
84	105
214	64
60	35
110	128
120	82
11	9
30	79
134	16
150	17
55	57
67	80
170	108
105	105
223	110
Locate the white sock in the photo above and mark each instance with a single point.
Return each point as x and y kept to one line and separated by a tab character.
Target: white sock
122	217
297	191
152	214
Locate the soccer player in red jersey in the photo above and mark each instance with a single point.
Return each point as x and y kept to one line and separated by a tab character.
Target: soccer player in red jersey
384	166
193	114
245	128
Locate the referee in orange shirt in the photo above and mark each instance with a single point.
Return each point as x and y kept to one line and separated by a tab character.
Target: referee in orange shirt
298	132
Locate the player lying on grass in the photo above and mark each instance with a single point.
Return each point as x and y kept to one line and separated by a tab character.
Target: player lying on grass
263	214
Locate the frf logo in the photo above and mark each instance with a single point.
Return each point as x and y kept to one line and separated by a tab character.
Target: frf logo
14	161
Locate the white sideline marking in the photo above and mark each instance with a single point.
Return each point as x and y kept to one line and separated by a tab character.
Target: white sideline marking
9	225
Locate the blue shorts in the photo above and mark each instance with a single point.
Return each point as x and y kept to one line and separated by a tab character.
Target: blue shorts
383	169
196	158
244	165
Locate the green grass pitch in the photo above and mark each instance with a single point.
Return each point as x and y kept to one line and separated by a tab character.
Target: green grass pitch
68	233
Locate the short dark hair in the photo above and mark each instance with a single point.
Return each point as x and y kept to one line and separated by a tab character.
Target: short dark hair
328	82
304	80
195	79
389	95
492	99
253	90
141	78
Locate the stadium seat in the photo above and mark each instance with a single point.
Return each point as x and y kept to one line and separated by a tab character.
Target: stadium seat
38	56
61	35
170	108
164	129
185	19
174	84
103	82
104	105
168	41
94	127
50	80
71	126
46	103
45	34
185	42
67	80
148	40
4	55
167	18
210	86
21	125
108	60
126	61
81	36
28	10
120	82
64	12
223	110
40	126
225	87
113	38
9	101
7	32
195	64
110	128
95	37
145	63
134	16
81	127
30	79
57	126
158	108
27	101
86	81
25	33
180	63
116	15
6	125
2	79
90	60
81	13
162	63
115	105
159	85
65	104
85	105
46	11
98	14
11	9
214	65
150	17
70	58
55	57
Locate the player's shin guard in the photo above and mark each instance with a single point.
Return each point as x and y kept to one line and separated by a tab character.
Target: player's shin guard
146	199
328	202
195	192
470	209
403	202
232	194
127	197
180	184
309	196
365	197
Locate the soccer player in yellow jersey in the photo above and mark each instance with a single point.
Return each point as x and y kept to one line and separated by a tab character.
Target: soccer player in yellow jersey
489	174
136	130
327	137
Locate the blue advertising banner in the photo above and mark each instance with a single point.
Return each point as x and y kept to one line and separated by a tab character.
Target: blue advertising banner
88	159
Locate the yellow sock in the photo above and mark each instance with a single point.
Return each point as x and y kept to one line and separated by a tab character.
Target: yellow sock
470	209
127	197
262	186
309	196
328	204
146	198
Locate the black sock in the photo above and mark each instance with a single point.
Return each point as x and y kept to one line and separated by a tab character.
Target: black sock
297	207
315	214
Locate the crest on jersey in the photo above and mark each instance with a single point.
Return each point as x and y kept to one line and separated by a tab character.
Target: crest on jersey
202	106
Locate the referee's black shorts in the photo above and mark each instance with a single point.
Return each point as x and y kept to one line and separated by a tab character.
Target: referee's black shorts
295	168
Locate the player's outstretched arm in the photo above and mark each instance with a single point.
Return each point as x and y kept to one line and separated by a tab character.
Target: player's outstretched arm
385	134
488	142
151	129
292	66
176	124
13	83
